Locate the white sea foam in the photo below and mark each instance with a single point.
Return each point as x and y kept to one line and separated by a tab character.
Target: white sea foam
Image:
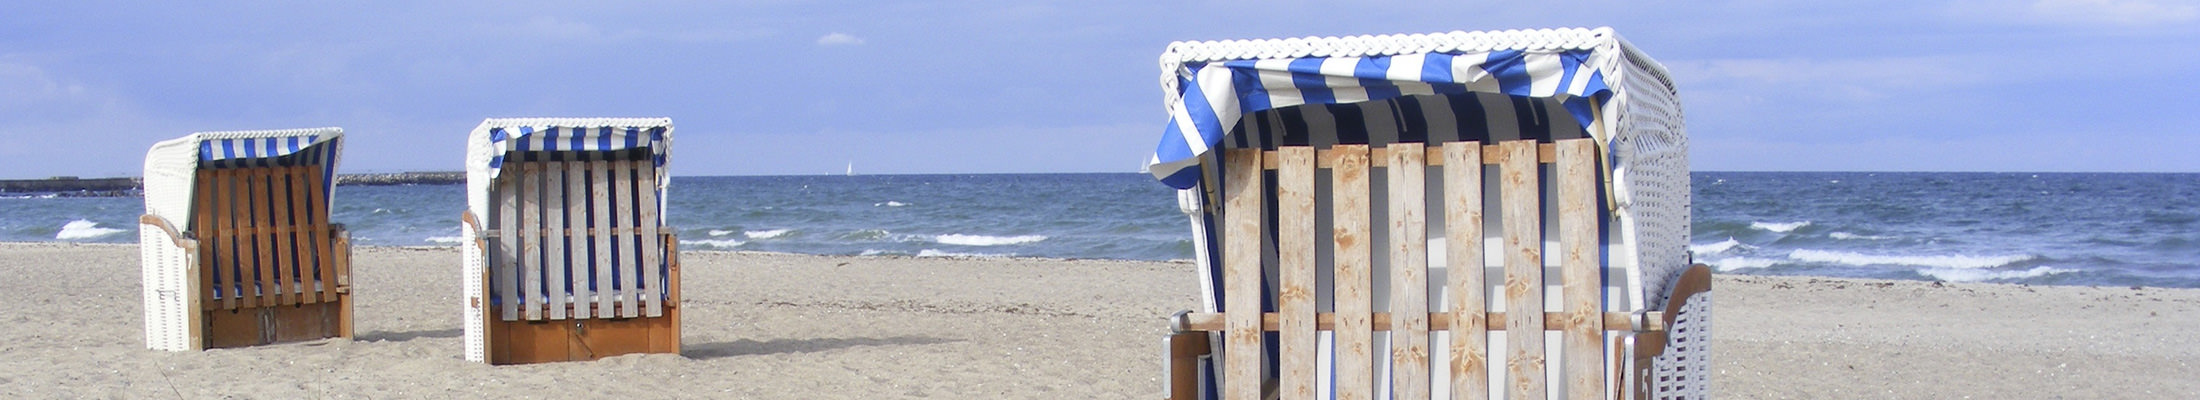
719	243
1779	227
889	204
937	253
1976	275
1852	236
766	234
1715	248
83	229
983	240
1732	264
446	240
1945	262
875	252
720	232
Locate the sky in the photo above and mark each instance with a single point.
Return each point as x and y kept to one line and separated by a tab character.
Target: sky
808	87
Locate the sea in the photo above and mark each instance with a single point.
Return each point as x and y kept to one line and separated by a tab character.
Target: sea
2102	229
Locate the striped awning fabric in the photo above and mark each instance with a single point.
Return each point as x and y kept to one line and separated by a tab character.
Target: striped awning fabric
568	139
567	135
1211	86
171	164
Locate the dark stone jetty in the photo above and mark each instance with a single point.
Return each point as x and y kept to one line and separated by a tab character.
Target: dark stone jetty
70	186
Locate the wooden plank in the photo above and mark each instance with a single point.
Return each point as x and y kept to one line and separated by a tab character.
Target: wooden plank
554	228
1241	274
645	186
622	209
1523	268
318	231
1577	233
1295	289
213	242
1463	255
1381	322
227	216
576	214
530	239
599	196
301	241
256	199
506	261
1408	272
1354	275
278	201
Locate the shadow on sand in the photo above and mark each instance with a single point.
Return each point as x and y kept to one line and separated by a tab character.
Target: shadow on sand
407	336
776	346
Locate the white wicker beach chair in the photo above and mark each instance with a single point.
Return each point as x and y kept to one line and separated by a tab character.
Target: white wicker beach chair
1451	215
236	244
569	257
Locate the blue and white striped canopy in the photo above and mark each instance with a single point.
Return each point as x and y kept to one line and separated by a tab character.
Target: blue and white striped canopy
171	165
566	139
1211	97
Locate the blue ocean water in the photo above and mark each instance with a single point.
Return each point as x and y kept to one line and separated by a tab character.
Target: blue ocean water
2060	229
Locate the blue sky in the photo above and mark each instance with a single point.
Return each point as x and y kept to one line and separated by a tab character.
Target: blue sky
801	87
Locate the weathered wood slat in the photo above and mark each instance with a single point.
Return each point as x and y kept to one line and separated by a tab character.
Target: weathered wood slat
263	242
504	263
1381	322
1295	292
1354	277
301	241
278	198
1408	272
1463	255
210	240
599	197
229	216
576	217
622	197
1577	234
652	282
324	257
530	239
553	202
1241	275
1519	194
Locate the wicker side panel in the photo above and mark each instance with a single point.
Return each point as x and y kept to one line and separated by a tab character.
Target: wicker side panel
1684	370
167	319
1651	156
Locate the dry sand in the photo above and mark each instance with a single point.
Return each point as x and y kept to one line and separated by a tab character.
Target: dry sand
795	326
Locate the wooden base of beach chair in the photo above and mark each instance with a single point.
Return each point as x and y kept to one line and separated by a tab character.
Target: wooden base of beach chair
526	342
283	324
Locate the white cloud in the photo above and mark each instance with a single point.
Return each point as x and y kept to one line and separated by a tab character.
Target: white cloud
839	39
2082	13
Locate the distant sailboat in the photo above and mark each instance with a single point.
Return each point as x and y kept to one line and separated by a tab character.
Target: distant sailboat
851	168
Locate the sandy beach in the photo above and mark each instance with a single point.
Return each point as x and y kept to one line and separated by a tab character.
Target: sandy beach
824	327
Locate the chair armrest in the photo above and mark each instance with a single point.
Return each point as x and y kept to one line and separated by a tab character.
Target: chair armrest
1183	350
474	229
1695	280
179	237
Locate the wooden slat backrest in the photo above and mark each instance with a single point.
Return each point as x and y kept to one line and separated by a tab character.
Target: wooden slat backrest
584	240
266	237
1409	321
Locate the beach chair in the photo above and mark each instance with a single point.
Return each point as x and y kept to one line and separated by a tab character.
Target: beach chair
569	257
1453	215
236	244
